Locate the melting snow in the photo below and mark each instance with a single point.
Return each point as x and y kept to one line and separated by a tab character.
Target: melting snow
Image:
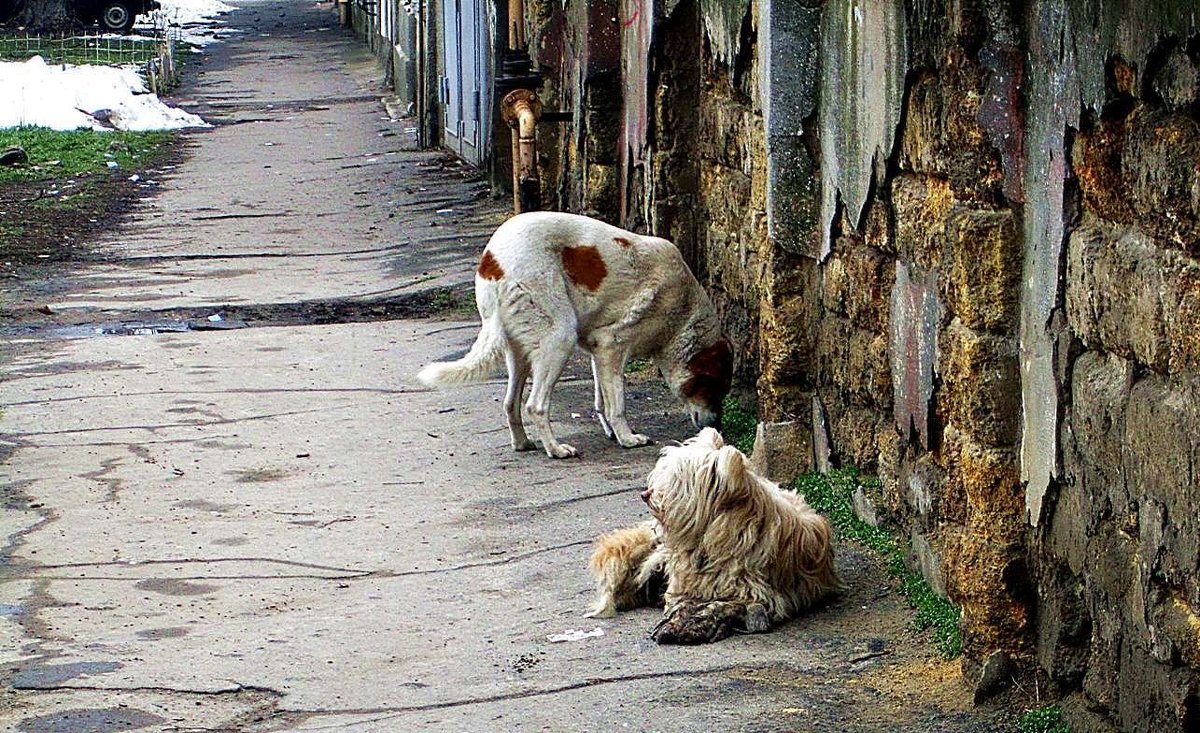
66	97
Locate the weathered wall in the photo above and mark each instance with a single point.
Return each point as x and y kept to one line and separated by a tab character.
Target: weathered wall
1120	541
1007	327
959	241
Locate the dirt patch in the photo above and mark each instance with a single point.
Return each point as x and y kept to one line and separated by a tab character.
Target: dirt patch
47	226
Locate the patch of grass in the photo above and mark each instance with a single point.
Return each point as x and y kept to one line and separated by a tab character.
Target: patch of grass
1046	719
832	495
637	366
739	423
69	154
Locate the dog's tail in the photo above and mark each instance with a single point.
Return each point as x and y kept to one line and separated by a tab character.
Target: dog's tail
480	362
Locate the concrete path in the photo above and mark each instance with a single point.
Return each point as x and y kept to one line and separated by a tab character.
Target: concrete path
275	529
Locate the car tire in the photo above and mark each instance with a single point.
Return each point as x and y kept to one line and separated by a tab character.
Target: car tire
116	16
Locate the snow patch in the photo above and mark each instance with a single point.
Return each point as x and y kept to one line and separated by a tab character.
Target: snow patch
68	97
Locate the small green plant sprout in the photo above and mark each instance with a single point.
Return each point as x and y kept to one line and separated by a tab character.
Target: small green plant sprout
1047	719
739	423
637	366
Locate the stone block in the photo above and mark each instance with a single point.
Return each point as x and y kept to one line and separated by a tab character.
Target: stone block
1096	158
854	361
1064	627
912	347
869	277
980	384
942	135
1160	163
821	440
1126	295
928	562
834	282
1095	432
782	450
921	486
787	343
922	206
1159	461
793	195
853	439
983	280
601	191
1177	80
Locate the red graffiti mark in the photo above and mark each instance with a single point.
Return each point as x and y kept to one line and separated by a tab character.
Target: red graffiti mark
637	12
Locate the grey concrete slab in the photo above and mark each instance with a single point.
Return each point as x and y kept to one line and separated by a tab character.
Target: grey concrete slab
282	510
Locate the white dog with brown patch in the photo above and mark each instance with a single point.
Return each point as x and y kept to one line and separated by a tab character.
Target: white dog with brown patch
548	282
727	549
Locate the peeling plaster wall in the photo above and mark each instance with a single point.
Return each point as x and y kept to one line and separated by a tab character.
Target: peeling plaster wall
1007	329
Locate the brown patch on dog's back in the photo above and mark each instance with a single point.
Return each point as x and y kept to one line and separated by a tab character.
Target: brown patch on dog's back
712	373
489	268
584	266
623	241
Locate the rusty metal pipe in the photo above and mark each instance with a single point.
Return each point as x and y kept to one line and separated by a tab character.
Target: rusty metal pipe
521	109
516	24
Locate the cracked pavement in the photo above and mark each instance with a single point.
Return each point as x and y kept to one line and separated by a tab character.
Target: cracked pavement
274	528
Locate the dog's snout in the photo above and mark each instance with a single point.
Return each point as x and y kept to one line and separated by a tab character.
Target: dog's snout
705	419
647	494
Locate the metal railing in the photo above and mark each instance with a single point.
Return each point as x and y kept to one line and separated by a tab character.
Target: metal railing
152	54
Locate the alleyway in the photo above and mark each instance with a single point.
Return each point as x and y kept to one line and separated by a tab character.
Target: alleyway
275	528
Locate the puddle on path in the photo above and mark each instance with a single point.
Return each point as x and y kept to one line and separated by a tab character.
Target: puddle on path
47	676
90	720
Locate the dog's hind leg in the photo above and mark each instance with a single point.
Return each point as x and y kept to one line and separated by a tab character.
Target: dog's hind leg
518	373
547	362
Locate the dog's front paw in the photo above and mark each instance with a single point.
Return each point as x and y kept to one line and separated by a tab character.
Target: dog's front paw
634	440
694	622
523	445
603	608
561	450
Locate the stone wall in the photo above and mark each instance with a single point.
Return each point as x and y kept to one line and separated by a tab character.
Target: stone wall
1120	544
958	242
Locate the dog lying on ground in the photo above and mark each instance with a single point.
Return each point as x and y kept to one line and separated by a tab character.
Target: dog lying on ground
548	282
726	551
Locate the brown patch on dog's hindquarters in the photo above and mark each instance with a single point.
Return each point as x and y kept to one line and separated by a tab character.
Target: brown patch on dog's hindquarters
623	241
489	268
584	267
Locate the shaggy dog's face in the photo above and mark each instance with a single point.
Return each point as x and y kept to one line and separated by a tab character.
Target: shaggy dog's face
694	483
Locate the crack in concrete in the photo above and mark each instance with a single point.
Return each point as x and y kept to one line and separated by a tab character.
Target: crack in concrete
219	392
170	426
228	217
139	259
337	573
237	689
390	712
576	499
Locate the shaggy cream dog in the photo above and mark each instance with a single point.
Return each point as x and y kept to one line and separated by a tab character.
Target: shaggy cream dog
548	282
736	553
